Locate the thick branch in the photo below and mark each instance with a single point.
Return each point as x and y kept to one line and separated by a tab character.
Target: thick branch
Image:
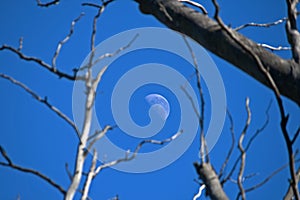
208	33
210	179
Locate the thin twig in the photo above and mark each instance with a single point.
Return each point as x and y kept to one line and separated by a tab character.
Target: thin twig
279	48
243	152
50	3
296	135
109	55
267	178
129	157
97	136
284	117
203	148
43	101
27	170
201	188
39	62
193	3
68	171
61	43
257	132
260	25
231	147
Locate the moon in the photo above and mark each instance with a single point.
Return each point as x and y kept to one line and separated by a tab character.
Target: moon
161	104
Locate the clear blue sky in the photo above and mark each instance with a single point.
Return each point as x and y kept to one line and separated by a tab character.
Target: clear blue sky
36	138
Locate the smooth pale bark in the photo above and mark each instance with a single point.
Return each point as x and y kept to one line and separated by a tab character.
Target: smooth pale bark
207	32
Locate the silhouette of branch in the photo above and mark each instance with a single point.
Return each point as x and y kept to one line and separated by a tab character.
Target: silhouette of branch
39	62
296	135
231	147
43	101
27	170
267	178
50	3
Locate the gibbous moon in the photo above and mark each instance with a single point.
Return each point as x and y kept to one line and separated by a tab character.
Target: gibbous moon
161	103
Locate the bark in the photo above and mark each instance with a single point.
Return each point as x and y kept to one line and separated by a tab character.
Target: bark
207	32
209	177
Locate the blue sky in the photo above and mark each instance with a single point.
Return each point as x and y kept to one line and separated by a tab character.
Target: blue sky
36	138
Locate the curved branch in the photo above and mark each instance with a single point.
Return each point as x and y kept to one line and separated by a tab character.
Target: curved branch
27	170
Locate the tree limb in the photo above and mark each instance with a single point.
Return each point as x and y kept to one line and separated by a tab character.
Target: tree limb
27	170
208	33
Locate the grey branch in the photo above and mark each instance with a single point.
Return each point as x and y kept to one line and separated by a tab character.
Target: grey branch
248	145
193	3
27	170
131	155
203	147
210	179
43	101
292	32
243	152
231	147
273	85
280	21
279	48
61	43
209	33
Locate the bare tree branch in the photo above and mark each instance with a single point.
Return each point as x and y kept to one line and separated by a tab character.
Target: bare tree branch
231	147
201	188
296	135
290	194
90	176
130	156
61	43
267	178
243	152
193	3
213	37
39	62
30	171
257	132
292	32
97	136
280	21
50	3
210	179
279	48
203	147
269	78
43	101
91	86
